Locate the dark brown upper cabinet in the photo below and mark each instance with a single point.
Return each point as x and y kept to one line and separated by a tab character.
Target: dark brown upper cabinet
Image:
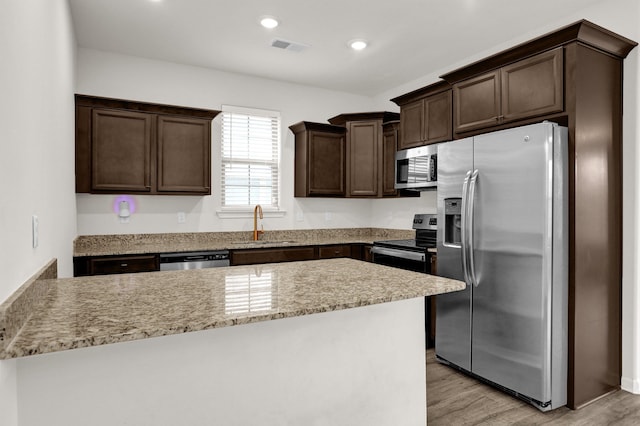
363	150
390	133
425	116
527	88
319	159
184	156
350	157
121	150
365	155
134	147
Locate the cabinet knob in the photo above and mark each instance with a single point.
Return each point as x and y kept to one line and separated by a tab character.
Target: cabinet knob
124	265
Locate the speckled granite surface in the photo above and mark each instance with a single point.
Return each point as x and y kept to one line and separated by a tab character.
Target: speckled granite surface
102	245
90	311
16	310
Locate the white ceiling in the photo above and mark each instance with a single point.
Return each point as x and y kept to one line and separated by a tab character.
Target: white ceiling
408	38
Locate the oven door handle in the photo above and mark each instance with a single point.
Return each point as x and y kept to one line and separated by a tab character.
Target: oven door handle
419	257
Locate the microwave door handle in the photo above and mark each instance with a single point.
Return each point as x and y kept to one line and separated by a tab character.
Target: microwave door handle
433	168
463	228
472	206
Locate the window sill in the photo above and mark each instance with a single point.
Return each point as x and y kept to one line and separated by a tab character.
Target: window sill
244	213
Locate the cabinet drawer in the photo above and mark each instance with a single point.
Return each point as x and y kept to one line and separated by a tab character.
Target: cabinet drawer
328	252
269	255
123	265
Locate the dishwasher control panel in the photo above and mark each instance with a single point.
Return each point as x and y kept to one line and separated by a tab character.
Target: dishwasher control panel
194	260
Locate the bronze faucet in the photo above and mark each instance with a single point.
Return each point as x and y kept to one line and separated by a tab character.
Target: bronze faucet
256	232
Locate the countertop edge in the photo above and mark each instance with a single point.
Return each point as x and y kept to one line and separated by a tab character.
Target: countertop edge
80	343
29	345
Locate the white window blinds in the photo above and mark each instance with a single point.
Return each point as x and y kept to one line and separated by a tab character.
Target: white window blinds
250	157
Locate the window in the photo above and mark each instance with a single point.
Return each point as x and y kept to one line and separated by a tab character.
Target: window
250	158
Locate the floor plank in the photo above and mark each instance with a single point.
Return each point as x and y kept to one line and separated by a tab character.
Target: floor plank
455	399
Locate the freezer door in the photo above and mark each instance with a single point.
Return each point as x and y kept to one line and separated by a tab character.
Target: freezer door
512	256
453	310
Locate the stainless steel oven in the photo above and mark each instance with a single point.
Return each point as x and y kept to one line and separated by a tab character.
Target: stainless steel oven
414	255
403	258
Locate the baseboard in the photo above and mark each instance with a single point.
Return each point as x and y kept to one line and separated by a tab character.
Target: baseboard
630	385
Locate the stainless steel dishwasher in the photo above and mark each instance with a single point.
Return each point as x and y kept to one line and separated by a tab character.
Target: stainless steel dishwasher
194	260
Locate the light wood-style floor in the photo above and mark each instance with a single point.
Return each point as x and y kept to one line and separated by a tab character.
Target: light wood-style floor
455	399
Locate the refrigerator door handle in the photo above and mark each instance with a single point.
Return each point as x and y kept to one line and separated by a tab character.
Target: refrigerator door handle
471	206
463	228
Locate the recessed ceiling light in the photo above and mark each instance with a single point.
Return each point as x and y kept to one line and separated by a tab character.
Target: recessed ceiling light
358	44
269	22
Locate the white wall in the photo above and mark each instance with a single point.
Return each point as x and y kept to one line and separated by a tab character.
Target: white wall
37	76
119	76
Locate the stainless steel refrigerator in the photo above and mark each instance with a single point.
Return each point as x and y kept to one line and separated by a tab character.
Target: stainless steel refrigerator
502	228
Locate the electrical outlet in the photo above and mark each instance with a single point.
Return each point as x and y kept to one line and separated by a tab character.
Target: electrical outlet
182	217
299	216
328	216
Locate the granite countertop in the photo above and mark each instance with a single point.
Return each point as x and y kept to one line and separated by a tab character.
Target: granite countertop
103	245
98	310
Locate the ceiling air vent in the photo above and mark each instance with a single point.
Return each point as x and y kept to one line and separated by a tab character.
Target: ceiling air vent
288	45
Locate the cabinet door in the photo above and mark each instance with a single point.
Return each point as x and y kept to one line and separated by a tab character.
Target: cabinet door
411	124
477	102
533	86
121	151
437	118
325	164
270	255
184	158
363	149
434	264
334	251
389	147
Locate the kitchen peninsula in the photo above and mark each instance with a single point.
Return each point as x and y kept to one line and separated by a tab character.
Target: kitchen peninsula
337	366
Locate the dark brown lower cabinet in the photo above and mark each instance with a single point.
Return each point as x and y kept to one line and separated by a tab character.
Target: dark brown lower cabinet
103	265
361	251
272	255
334	251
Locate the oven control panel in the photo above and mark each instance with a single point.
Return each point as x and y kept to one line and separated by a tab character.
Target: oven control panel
425	221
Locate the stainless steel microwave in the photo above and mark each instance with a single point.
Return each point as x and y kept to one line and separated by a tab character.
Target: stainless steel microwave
417	168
